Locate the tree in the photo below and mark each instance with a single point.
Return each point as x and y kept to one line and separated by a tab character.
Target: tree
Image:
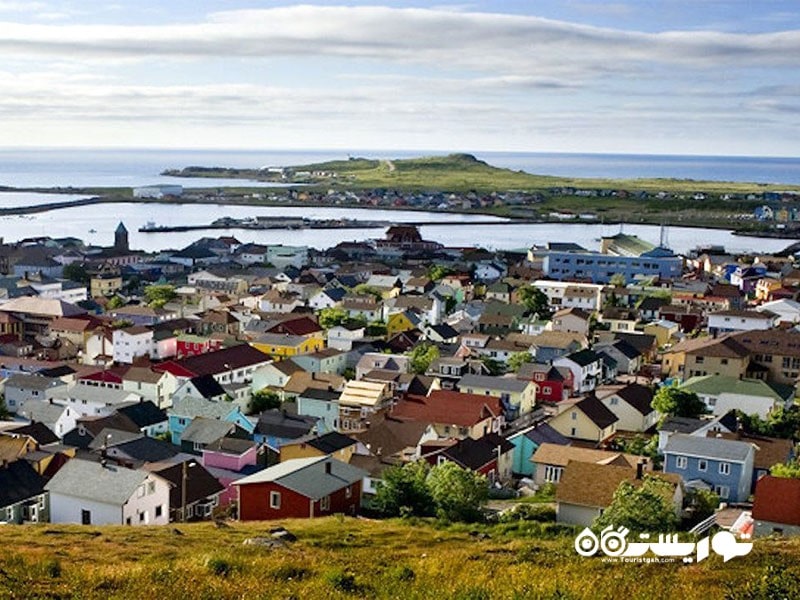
403	490
115	302
701	504
422	355
438	272
516	360
332	317
495	367
158	295
644	508
674	401
790	470
617	280
458	494
784	422
535	301
263	400
76	272
362	289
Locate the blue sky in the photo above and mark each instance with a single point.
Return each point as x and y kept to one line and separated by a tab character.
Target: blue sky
644	76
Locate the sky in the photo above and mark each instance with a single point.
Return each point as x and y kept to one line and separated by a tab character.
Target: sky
701	77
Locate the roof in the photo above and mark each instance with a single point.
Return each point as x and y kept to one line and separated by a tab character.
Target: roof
220	361
363	393
391	435
723	347
144	413
207	386
38	431
559	455
682	424
590	484
716	448
448	408
111	484
42	307
32	382
777	500
714	385
308	476
505	384
331	442
596	411
638	396
279	424
189	406
232	446
475	454
583	357
200	484
12	448
205	431
19	481
771	341
142	374
543	433
147	449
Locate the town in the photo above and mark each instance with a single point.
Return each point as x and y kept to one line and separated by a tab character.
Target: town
230	380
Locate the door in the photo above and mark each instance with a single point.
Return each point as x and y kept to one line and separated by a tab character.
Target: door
86	517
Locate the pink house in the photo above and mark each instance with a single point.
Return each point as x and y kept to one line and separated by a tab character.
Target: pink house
229	460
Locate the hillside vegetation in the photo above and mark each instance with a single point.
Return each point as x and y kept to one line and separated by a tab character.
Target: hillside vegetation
464	172
349	558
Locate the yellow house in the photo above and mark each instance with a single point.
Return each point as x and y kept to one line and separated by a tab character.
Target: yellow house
706	356
279	346
587	420
105	284
400	322
662	330
331	444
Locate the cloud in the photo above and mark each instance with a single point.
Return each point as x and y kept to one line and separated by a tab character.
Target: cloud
513	44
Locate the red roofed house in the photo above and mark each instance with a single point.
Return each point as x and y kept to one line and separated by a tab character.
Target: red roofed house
776	509
453	414
230	365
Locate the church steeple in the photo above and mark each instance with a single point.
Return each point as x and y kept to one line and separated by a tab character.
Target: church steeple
121	238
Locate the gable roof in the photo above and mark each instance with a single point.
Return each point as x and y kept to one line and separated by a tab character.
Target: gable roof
278	423
390	435
489	382
559	456
200	484
205	431
714	385
143	413
476	454
448	408
189	406
19	481
308	476
593	485
543	433
38	431
111	484
583	358
331	442
777	500
207	386
715	448
147	449
638	396
220	361
596	411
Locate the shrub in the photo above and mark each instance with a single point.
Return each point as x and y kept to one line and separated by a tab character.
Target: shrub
529	512
343	581
290	573
220	566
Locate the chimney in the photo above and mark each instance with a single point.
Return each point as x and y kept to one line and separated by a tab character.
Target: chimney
640	469
328	467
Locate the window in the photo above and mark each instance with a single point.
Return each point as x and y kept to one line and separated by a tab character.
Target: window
614	401
786	362
547	390
680	462
348	492
574	416
86	517
699	360
574	432
724	468
552	474
274	499
142	516
723	491
702	465
159	510
151	487
325	503
724	361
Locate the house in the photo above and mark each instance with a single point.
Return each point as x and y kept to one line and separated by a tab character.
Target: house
550	460
116	496
154	386
230	459
698	427
587	369
571	320
725	466
776	352
327	360
452	414
342	337
663	330
340	447
187	408
20	388
587	489
151	420
322	404
631	404
776	506
553	384
722	394
725	355
385	362
627	358
619	319
277	427
402	321
490	455
199	498
769	451
202	432
300	488
527	441
588	420
727	321
58	419
192	345
235	364
360	401
516	395
202	386
22	495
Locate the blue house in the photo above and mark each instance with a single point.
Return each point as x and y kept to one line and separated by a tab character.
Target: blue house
725	466
600	268
322	405
527	441
184	410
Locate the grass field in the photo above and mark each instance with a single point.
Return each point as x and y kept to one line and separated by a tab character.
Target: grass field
349	558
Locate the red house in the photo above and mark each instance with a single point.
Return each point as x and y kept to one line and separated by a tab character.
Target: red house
553	384
301	488
194	345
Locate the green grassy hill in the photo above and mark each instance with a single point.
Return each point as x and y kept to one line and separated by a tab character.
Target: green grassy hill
348	558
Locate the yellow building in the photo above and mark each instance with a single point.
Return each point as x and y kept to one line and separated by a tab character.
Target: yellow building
588	420
105	284
516	393
662	331
279	346
400	322
706	356
331	444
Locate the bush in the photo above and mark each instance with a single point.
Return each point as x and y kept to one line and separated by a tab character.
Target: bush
290	573
343	582
541	513
404	573
220	566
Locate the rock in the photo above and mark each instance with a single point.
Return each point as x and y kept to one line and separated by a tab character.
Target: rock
264	541
280	533
176	531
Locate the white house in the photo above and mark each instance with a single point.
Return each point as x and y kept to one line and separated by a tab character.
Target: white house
722	394
632	406
20	388
342	338
132	342
740	320
786	311
586	367
91	493
58	418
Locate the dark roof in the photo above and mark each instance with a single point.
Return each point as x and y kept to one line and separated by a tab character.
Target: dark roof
144	413
282	425
56	372
391	435
596	411
19	481
444	331
319	394
200	484
543	433
331	442
38	431
638	396
652	303
223	360
682	424
626	349
474	454
228	445
583	357
299	326
208	386
147	449
643	342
